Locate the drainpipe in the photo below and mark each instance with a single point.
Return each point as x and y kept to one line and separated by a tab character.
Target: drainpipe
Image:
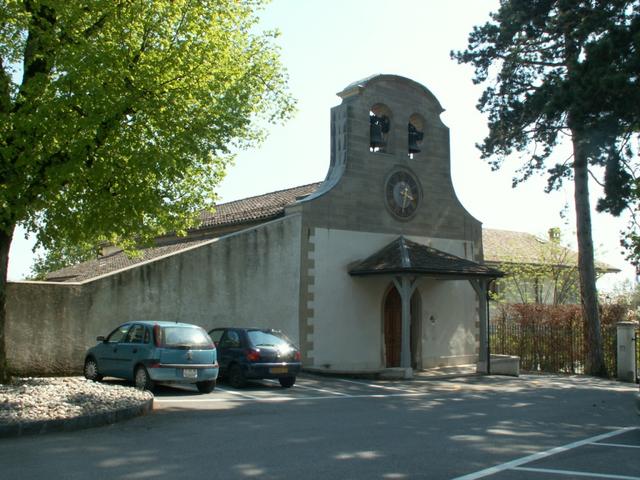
488	331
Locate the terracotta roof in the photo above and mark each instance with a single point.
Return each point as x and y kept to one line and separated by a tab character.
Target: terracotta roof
115	261
247	210
505	246
405	256
261	207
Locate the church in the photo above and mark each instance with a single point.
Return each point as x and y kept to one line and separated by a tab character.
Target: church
379	268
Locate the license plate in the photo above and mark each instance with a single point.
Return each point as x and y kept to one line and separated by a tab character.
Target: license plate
278	370
190	373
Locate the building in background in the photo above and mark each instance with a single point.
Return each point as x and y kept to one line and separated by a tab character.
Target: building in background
536	270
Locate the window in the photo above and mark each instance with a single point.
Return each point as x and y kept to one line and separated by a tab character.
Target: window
267	338
215	336
118	334
185	337
231	339
135	335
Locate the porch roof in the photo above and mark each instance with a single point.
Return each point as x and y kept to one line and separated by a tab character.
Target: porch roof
404	256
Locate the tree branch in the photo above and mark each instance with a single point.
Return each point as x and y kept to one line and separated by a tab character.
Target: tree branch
595	179
5	89
38	51
92	29
185	10
97	26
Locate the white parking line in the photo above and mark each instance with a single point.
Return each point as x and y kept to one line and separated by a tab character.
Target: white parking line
374	385
574	474
617	445
512	465
306	387
282	398
234	392
323	390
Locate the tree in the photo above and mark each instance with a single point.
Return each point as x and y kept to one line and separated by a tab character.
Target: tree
627	293
549	80
118	118
612	66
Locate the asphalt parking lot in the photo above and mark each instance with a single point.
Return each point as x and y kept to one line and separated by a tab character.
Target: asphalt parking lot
613	454
531	427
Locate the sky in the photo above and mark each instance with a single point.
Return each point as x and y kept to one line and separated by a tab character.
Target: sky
328	44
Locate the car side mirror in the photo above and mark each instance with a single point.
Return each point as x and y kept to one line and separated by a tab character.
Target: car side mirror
100	338
215	344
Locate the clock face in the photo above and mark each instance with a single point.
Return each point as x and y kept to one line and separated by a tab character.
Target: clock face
402	194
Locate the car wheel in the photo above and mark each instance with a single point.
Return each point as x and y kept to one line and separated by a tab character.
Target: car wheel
206	387
236	377
287	382
142	380
91	370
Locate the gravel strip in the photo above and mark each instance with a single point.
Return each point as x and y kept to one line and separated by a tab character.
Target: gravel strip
30	400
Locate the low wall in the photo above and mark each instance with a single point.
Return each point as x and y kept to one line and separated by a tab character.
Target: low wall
226	281
502	365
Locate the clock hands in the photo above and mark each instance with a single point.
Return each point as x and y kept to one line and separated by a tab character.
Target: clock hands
407	198
403	195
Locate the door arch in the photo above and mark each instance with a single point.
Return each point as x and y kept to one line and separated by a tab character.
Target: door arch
392	328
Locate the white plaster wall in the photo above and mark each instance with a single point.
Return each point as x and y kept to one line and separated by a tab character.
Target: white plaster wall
249	278
449	319
347	322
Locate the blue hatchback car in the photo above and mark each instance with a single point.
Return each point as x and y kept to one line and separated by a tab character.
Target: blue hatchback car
254	353
147	352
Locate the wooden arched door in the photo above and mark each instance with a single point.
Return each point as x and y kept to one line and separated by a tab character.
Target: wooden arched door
393	329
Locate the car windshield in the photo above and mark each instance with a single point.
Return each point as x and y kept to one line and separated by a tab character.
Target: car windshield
185	337
268	338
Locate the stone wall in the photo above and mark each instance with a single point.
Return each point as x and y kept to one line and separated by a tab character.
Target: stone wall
227	281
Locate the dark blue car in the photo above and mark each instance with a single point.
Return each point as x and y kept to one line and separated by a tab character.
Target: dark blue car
255	353
147	352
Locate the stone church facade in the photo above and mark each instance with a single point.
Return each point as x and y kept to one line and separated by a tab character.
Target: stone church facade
377	267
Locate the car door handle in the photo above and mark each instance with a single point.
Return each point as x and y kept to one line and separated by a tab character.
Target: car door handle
135	350
115	349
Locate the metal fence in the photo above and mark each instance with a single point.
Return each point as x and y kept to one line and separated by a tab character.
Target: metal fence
551	347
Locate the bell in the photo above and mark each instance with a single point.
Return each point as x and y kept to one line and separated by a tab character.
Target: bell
376	138
378	126
414	137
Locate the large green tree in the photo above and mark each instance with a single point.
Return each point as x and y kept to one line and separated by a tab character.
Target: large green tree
117	117
612	64
549	78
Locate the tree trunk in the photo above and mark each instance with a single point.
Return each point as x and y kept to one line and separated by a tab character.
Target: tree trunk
5	244
586	265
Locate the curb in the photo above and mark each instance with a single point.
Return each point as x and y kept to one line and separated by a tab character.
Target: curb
76	423
395	373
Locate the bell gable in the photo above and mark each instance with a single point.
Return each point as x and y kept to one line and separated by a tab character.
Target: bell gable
390	167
